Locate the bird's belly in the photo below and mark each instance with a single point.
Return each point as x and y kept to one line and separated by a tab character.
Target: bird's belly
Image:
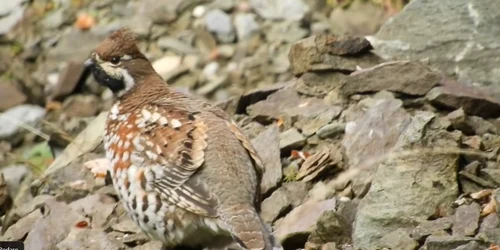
159	219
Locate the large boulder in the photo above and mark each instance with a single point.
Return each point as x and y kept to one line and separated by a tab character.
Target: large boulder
459	37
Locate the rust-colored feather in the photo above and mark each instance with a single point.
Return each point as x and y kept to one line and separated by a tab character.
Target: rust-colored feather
173	139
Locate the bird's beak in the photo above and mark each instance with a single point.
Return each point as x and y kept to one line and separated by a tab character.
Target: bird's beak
88	63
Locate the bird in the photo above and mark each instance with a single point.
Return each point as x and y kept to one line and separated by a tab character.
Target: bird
182	167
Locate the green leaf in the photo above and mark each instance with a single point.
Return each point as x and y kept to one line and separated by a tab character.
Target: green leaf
39	157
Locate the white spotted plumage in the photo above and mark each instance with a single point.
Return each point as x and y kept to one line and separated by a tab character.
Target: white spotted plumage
140	152
163	121
175	123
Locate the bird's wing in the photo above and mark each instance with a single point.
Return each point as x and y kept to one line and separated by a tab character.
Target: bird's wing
175	138
238	133
257	161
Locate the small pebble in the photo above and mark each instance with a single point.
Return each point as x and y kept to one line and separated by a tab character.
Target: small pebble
330	130
199	11
210	70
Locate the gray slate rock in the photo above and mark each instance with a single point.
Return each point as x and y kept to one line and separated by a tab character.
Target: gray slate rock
54	20
175	45
462	42
446	242
67	81
275	104
466	220
268	148
331	130
86	142
75	45
225	5
14	175
288	196
218	22
90	239
99	207
8	7
320	84
239	104
427	228
321	53
331	227
294	10
458	119
491	236
149	245
474	101
53	227
26	113
301	221
314	116
291	139
11	12
245	25
286	32
481	126
309	113
274	205
127	226
473	245
22	227
10	96
491	221
373	135
428	179
79	105
492	173
406	77
399	239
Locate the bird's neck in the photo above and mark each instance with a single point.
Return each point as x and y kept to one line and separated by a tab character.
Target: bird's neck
146	90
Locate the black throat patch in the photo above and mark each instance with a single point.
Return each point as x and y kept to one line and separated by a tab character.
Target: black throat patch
114	84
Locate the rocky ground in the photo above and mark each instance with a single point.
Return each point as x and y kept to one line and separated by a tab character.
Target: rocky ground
369	143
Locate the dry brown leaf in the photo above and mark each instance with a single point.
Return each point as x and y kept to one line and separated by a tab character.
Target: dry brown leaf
489	208
473	142
299	154
481	194
493	247
318	162
53	106
85	21
214	54
280	122
243	6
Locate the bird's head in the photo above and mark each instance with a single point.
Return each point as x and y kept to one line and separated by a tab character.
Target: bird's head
117	62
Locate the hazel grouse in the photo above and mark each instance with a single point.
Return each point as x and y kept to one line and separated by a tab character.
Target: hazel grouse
182	168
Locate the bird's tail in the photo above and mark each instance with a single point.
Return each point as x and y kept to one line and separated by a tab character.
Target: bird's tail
247	228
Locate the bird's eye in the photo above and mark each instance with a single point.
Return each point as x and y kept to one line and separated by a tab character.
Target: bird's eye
115	60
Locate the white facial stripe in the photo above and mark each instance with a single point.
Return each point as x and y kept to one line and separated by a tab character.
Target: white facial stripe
126	57
111	69
128	80
98	58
